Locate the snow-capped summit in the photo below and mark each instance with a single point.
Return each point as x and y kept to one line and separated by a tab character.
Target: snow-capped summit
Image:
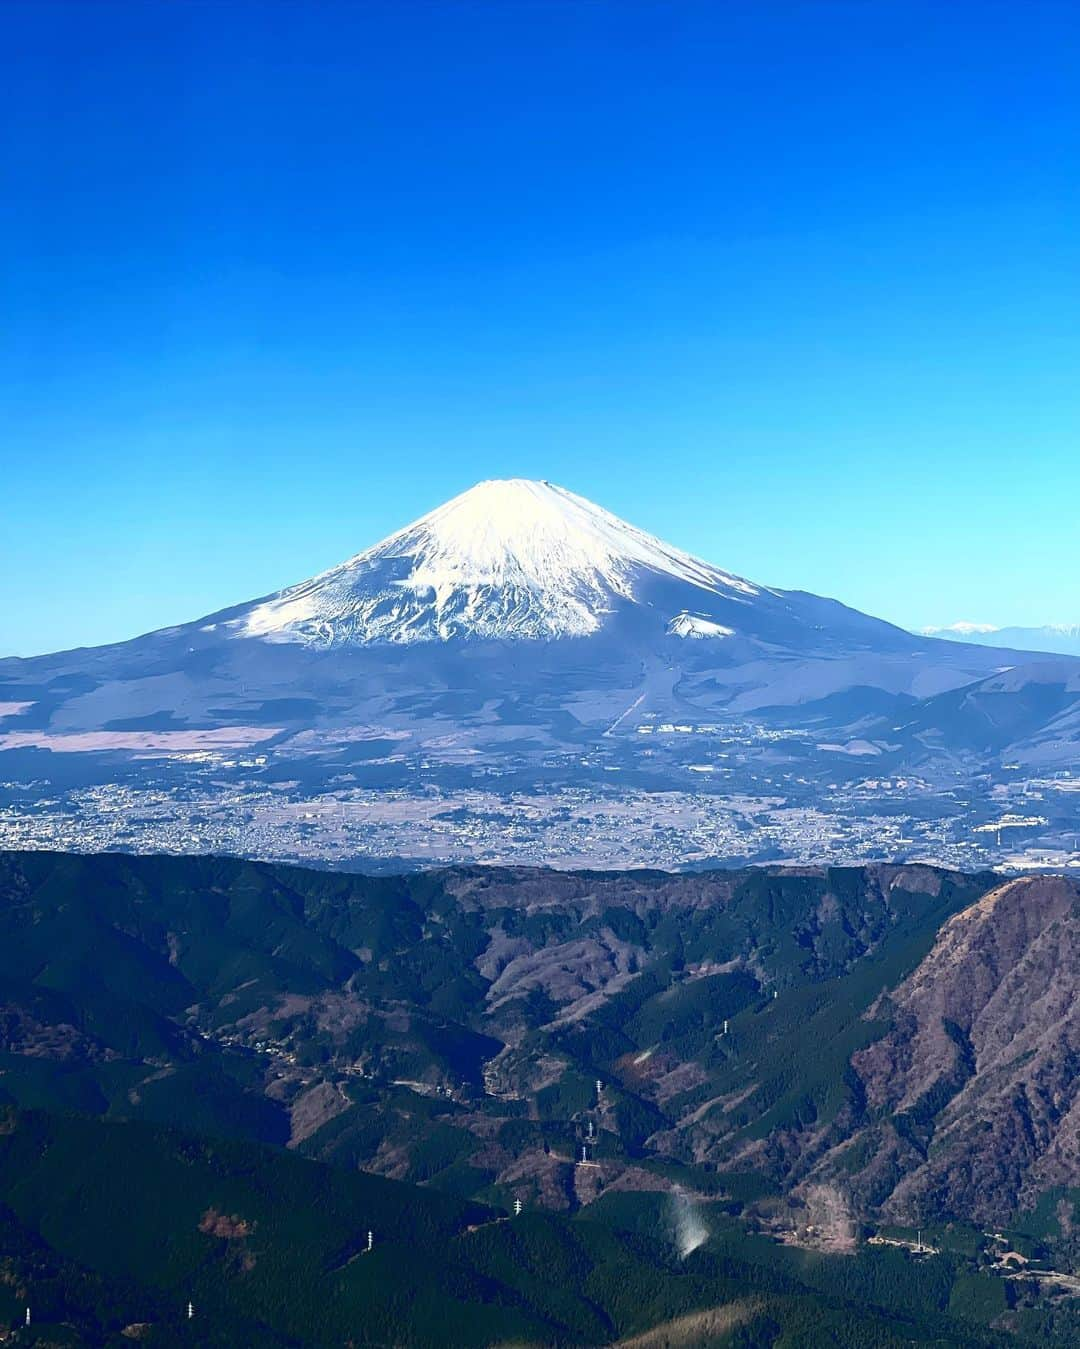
508	559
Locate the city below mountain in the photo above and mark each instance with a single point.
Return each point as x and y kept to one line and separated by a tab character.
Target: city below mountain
522	677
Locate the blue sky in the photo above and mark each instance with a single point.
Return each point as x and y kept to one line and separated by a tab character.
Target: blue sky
794	286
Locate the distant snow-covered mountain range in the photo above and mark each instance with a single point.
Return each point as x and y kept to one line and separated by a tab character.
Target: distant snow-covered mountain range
1062	639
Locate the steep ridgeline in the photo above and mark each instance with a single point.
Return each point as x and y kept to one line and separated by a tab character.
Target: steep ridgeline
973	1097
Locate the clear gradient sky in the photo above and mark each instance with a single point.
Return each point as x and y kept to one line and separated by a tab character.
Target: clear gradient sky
794	285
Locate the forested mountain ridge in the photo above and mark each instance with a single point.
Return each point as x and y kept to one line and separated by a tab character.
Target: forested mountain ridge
804	1054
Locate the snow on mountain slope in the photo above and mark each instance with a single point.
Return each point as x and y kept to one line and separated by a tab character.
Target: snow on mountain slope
696	627
506	559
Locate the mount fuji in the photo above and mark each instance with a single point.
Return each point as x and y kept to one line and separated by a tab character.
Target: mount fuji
506	560
516	560
517	639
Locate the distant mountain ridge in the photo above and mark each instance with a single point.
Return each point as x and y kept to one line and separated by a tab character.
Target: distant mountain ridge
1056	638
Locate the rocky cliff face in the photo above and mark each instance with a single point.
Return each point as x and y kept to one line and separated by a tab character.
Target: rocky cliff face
972	1100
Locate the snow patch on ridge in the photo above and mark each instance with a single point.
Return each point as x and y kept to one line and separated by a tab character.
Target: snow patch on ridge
697	627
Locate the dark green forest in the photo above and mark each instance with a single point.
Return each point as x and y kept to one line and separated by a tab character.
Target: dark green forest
217	1077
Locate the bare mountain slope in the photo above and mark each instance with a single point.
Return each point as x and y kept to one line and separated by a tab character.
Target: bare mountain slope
973	1097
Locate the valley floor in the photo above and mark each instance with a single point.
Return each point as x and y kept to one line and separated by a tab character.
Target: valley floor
1032	825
